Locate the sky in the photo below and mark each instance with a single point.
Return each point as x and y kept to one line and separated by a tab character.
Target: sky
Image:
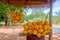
56	7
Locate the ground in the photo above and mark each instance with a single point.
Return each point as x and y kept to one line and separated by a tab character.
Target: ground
14	33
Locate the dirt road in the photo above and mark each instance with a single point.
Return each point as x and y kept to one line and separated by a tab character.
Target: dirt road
14	33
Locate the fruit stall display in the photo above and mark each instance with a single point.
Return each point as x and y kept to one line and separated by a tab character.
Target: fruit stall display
37	29
33	30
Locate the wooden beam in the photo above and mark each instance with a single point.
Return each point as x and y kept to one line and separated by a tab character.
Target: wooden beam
37	0
22	3
30	2
4	1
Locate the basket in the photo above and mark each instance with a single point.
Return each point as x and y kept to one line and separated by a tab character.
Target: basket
35	38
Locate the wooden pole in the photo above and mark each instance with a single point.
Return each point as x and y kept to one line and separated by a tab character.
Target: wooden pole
50	19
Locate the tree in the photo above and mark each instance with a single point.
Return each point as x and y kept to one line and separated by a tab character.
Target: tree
27	17
54	19
58	16
36	12
39	13
58	13
3	12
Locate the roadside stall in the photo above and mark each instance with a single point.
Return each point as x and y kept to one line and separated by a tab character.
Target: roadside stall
33	30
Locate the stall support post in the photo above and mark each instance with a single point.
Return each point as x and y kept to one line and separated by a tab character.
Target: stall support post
50	18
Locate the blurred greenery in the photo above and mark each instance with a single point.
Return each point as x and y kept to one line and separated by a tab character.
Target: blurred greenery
57	17
28	17
3	11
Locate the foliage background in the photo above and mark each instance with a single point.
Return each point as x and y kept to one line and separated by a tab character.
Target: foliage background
37	14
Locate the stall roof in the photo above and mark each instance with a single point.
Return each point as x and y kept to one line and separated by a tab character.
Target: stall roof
25	3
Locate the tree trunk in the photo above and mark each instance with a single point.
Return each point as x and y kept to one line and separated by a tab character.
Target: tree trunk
6	20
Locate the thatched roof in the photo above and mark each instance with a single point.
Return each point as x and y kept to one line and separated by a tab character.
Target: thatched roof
30	3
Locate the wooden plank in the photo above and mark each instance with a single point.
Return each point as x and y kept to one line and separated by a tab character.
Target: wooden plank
4	1
37	0
31	3
12	1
